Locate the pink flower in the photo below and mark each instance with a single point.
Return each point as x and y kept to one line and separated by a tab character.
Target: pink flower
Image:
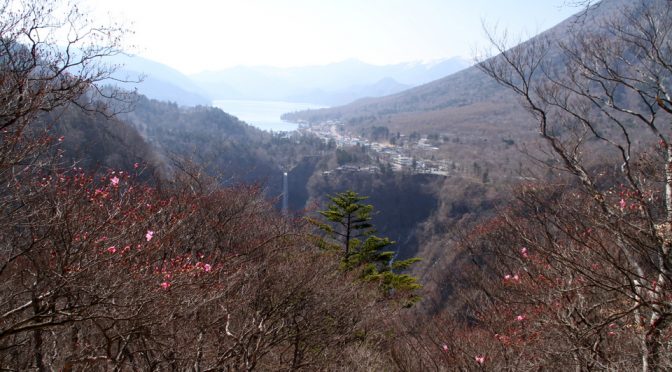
523	252
149	235
520	318
136	165
112	249
207	267
622	204
514	277
165	285
61	138
114	181
480	359
444	347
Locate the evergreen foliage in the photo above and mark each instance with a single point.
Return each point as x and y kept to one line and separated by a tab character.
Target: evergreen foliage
347	227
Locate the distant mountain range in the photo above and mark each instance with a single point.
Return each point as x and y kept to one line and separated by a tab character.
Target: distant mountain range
457	104
468	102
329	85
159	81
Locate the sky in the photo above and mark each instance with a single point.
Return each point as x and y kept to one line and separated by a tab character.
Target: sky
208	35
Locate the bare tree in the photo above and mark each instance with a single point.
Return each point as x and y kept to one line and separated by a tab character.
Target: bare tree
51	55
606	90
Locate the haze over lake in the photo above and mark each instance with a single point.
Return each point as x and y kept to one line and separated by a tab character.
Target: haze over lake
264	114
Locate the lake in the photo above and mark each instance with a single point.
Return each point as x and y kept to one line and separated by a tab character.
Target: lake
264	114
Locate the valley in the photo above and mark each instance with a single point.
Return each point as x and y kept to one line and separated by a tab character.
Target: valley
415	153
512	214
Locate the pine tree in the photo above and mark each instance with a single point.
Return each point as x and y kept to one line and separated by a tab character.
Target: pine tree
348	228
347	221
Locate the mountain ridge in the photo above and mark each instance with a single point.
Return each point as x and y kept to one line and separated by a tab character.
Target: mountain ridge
456	102
158	81
350	78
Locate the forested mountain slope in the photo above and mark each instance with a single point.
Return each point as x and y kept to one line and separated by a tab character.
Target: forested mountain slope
465	102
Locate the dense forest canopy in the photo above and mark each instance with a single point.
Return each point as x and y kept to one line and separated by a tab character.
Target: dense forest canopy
106	267
141	235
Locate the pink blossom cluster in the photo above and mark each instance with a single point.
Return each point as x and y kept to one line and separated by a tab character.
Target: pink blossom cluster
512	278
113	249
204	266
181	265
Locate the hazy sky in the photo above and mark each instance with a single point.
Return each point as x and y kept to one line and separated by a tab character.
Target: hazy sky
197	35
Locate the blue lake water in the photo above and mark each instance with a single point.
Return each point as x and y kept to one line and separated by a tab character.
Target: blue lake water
264	114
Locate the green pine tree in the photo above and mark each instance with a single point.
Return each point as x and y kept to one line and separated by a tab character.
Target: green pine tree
347	227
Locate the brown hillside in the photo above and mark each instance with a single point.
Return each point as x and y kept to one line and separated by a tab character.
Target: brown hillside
462	102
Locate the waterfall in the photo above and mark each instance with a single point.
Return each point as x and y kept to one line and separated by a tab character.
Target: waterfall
285	193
